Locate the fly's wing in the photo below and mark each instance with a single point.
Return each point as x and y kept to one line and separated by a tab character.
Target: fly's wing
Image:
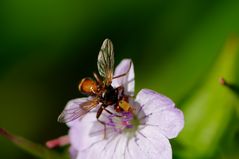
73	113
106	61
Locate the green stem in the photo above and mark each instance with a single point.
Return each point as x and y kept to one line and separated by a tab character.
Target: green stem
32	148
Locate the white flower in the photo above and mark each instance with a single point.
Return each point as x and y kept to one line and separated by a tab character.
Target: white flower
142	135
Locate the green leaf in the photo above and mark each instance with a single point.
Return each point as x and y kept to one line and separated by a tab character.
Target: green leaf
209	110
32	148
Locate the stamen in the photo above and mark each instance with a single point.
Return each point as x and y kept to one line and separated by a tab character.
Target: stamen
121	124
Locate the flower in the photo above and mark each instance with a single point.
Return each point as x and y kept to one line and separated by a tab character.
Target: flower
144	134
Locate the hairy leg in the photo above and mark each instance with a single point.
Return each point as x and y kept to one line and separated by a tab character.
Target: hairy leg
123	74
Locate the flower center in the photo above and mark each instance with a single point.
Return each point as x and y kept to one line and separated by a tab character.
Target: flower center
127	123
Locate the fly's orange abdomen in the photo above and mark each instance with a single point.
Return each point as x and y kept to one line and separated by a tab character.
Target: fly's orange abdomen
88	86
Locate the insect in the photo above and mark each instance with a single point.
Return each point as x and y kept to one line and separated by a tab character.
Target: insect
100	89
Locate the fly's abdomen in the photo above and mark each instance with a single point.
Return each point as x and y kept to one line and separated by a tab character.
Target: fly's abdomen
88	86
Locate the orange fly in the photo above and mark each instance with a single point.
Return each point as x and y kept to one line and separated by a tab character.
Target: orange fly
100	89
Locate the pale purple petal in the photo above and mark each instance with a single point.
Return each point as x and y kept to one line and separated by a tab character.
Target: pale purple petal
134	150
126	81
112	148
152	144
88	131
106	149
151	101
122	147
83	155
160	112
146	144
80	137
169	122
73	152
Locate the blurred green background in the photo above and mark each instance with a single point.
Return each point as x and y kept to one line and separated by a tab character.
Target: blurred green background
47	46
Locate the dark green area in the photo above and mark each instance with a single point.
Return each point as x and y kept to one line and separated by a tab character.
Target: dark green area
47	46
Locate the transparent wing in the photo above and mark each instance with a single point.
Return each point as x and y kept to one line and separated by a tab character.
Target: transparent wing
106	61
75	112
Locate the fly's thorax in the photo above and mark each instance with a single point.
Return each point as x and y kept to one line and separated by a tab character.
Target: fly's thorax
88	86
109	95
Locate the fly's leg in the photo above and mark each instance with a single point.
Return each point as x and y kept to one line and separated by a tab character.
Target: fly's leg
111	112
123	96
97	78
99	112
120	91
120	88
125	72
